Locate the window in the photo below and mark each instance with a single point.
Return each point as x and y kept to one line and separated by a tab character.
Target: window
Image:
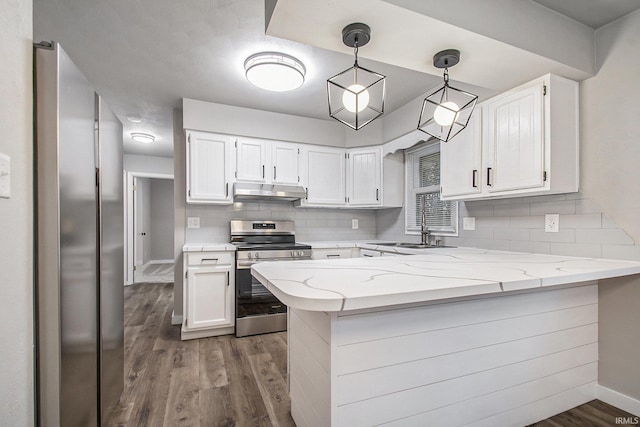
423	188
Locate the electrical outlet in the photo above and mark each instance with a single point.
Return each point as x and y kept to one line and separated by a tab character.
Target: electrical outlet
551	223
193	222
354	224
469	223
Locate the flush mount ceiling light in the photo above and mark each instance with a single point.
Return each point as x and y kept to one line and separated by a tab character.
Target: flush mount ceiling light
145	138
356	95
274	71
446	111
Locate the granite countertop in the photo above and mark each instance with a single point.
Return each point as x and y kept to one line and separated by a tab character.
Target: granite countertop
208	247
434	274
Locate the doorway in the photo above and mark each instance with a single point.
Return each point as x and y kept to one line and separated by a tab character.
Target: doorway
149	230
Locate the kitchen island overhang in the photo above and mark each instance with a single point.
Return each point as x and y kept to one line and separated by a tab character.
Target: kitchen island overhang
455	336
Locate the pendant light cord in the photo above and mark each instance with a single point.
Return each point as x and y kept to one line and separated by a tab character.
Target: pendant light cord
446	76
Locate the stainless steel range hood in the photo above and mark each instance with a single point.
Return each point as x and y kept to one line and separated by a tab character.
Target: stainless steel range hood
247	191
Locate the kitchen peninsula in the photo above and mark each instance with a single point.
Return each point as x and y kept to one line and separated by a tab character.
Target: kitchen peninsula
451	336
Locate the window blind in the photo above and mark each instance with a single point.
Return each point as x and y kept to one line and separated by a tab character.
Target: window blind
423	189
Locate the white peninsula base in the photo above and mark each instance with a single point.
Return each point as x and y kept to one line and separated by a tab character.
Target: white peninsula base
507	360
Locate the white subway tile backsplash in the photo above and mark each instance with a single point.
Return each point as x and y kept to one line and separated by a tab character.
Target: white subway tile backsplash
511	233
517	224
522	209
492	222
530	247
566	235
527	221
592	220
626	252
607	222
478	210
478	233
614	236
587	206
576	249
499	245
557	207
545	199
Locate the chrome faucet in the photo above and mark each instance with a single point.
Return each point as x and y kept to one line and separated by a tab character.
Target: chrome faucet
424	231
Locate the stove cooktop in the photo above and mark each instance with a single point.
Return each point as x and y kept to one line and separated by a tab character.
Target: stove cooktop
270	246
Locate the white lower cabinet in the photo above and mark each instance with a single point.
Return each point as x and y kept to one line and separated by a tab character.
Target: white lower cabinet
208	294
335	253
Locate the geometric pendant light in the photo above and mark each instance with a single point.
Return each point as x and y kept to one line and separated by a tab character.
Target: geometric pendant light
447	110
356	95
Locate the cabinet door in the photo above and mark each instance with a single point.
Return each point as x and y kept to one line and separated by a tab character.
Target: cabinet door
515	132
325	176
284	163
461	160
209	298
208	168
251	160
364	177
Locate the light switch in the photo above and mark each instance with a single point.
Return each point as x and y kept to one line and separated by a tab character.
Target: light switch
469	223
193	222
354	224
5	176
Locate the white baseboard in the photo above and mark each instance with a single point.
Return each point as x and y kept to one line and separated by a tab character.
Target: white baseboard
618	400
176	320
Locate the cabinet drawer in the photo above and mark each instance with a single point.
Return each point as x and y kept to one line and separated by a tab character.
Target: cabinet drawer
209	258
331	253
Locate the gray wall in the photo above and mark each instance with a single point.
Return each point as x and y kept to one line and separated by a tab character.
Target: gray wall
161	226
16	215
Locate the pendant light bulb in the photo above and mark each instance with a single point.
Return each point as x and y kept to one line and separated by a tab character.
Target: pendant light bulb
446	113
355	93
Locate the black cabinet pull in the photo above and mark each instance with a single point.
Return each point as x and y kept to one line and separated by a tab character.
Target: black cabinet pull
274	172
263	171
489	176
226	189
474	178
377	194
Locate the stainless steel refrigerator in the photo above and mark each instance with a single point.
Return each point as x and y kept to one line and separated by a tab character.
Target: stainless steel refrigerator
79	246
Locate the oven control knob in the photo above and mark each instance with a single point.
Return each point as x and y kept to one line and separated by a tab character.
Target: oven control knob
293	253
300	253
249	255
256	255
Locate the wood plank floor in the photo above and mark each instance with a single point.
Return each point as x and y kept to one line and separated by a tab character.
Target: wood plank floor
226	381
220	381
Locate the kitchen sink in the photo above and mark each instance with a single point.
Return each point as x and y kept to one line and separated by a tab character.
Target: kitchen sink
410	245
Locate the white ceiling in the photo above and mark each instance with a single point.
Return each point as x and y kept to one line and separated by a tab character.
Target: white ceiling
592	13
144	56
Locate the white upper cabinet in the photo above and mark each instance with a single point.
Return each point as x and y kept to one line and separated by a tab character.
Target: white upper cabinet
515	138
267	162
461	160
529	142
251	159
364	170
323	176
209	164
285	163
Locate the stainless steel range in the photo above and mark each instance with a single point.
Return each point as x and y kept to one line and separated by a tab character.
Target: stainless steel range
258	311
